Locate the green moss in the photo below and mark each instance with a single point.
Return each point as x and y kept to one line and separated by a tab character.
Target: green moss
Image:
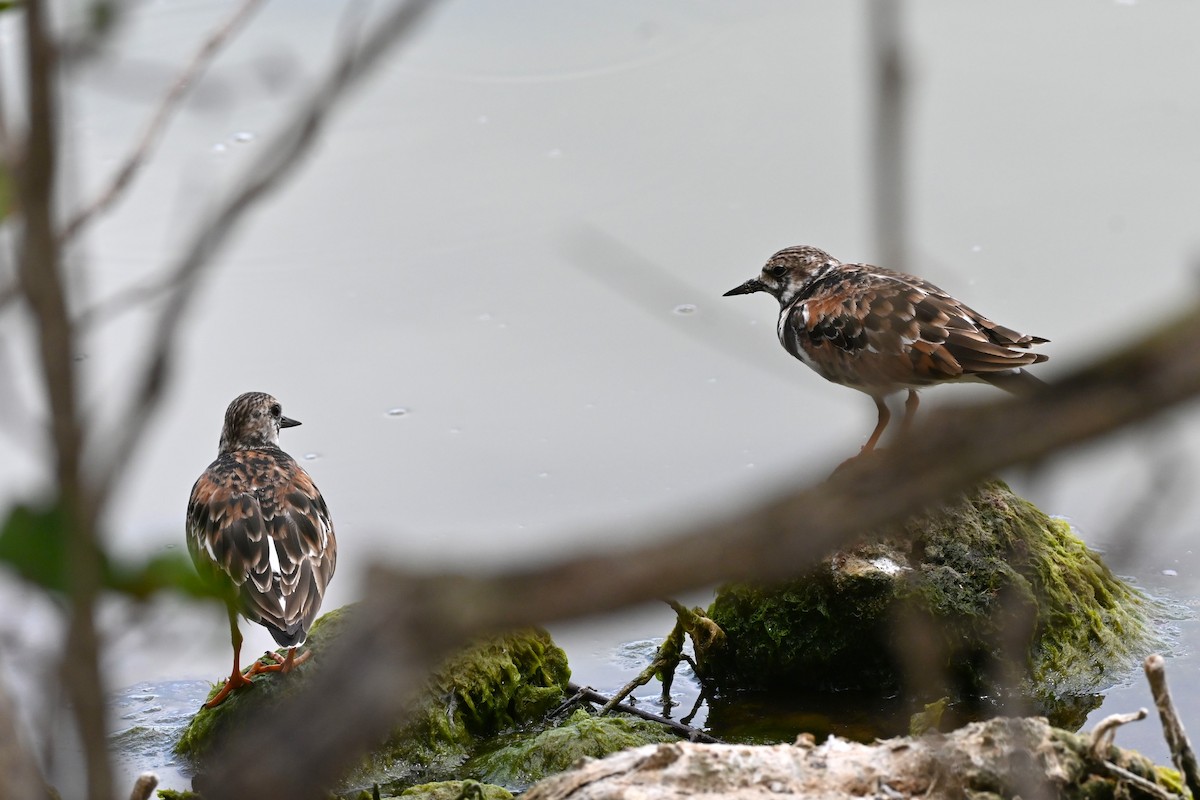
496	685
520	760
501	683
988	590
452	790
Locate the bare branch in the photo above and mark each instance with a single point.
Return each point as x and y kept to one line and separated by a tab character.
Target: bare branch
41	281
408	623
1177	739
170	103
276	161
1106	730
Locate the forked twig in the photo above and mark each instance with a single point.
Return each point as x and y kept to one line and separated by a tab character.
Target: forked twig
1106	729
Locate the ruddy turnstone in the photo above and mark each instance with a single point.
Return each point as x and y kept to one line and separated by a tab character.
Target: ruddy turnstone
258	525
881	331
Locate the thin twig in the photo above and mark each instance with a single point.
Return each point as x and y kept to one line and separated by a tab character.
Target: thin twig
1106	730
687	731
1149	787
1182	754
275	162
140	154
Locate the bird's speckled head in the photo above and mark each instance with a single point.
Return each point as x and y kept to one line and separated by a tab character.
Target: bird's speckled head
788	272
253	420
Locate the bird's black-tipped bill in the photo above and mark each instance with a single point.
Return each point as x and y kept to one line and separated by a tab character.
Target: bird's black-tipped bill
288	422
749	287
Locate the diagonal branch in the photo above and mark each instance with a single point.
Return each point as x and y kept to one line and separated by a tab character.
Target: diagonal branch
275	163
362	690
170	104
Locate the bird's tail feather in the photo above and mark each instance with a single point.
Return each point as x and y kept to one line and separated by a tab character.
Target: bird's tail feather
1018	382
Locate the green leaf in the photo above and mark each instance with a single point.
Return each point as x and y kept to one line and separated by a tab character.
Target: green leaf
33	542
165	572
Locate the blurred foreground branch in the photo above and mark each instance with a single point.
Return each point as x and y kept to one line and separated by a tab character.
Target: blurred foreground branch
123	178
409	623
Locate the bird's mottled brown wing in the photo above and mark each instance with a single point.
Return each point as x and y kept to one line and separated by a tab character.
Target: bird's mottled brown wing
256	517
879	330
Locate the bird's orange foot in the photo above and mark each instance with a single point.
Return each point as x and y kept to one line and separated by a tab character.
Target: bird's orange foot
235	681
286	665
267	662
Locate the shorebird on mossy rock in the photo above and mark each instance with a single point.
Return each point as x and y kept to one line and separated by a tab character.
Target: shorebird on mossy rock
882	332
258	527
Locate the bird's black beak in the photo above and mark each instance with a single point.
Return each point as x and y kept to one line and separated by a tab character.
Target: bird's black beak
749	287
288	422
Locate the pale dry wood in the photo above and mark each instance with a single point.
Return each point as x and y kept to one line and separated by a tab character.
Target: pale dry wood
1182	753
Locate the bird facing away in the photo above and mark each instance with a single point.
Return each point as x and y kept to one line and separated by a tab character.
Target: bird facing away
881	331
258	526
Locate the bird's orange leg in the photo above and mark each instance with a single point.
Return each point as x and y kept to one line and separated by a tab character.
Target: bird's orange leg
884	416
910	410
236	679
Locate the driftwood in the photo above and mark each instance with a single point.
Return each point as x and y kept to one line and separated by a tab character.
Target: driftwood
1177	738
1008	757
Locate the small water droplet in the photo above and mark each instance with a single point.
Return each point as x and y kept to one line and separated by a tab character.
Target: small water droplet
711	380
1170	573
482	119
80	357
685	308
750	465
241	137
311	456
543	474
456	430
485	317
554	153
397	412
219	148
977	248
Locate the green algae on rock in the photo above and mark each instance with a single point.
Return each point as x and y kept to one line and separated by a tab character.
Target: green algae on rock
986	592
520	760
497	684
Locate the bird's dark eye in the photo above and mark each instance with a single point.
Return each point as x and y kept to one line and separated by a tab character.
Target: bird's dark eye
776	270
276	411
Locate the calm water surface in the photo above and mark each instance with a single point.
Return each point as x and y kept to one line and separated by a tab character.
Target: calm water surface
449	251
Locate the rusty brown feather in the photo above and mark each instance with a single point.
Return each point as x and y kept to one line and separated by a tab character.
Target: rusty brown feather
258	523
881	331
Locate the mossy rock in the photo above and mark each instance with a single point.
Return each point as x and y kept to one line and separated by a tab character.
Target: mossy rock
210	725
497	684
520	760
441	790
986	592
